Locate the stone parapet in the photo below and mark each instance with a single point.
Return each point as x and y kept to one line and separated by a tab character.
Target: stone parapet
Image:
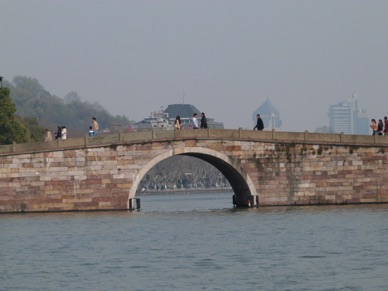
234	134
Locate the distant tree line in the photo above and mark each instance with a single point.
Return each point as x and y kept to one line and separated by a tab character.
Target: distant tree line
37	109
182	172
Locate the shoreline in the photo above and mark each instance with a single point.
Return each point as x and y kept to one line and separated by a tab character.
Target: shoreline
184	191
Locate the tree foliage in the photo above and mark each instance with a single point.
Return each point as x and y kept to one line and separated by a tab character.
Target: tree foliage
11	128
33	101
35	130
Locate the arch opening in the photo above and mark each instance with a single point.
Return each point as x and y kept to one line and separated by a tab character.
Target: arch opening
237	179
240	183
182	173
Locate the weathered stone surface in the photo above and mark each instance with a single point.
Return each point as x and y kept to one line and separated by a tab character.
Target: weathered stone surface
281	168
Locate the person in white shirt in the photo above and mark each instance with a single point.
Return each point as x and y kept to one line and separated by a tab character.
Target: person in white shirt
195	121
91	131
64	132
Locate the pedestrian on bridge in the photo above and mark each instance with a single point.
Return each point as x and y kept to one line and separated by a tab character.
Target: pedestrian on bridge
58	135
195	121
385	125
63	132
203	121
91	131
178	122
48	136
259	125
373	126
94	125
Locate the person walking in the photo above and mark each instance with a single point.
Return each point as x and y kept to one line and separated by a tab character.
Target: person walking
94	125
58	135
178	122
259	124
195	121
373	126
380	127
48	136
385	125
203	121
63	132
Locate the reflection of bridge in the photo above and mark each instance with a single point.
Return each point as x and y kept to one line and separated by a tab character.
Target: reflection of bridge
263	167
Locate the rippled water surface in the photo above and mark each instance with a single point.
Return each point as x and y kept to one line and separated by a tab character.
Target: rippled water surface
197	242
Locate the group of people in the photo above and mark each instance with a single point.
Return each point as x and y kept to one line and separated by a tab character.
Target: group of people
61	132
194	122
379	128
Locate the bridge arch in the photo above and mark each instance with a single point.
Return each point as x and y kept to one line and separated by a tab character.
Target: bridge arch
240	182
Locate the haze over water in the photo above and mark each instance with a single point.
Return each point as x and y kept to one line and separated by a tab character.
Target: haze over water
197	242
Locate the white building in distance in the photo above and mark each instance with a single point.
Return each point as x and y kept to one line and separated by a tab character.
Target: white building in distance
164	118
345	117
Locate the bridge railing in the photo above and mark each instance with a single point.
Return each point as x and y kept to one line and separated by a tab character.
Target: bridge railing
237	134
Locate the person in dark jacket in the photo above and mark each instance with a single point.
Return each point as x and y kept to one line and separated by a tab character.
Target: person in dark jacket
380	127
385	125
203	121
58	135
259	124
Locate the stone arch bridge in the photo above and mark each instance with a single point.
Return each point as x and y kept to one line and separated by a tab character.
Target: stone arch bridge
263	167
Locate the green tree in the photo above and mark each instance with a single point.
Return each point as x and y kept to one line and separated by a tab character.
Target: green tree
11	129
36	132
32	100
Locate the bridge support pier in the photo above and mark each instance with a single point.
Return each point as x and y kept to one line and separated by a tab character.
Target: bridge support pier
134	202
249	201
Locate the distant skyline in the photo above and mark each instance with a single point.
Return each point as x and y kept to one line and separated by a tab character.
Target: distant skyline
226	57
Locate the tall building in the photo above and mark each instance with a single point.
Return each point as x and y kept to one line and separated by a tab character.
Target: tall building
362	123
269	115
345	117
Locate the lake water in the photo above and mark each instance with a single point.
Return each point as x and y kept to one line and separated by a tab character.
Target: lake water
197	242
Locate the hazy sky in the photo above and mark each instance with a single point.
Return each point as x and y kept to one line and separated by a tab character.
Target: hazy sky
224	57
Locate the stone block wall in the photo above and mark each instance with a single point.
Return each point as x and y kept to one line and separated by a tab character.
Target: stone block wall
80	179
283	173
302	174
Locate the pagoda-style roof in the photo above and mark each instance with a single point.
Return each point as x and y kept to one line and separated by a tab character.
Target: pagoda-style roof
266	108
183	110
267	112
